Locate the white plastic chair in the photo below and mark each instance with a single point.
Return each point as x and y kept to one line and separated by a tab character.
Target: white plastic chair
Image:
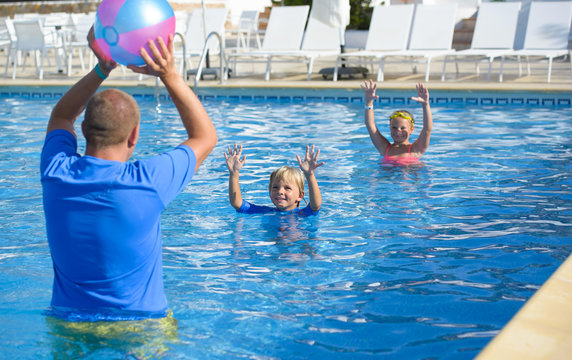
76	40
247	27
546	35
30	38
388	32
494	35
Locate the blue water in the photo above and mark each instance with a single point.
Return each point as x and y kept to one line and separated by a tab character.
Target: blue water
421	262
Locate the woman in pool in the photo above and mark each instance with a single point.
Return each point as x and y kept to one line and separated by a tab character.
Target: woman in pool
401	125
286	186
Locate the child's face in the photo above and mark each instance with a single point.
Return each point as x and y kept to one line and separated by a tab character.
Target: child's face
400	129
285	194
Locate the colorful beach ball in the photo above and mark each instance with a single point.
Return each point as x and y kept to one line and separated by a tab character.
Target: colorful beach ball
123	27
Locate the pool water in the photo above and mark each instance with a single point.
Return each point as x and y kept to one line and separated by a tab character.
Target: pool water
421	262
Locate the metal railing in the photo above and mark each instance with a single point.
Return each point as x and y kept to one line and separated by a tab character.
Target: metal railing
204	54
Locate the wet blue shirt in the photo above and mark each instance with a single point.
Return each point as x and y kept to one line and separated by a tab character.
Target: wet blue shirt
103	225
248	208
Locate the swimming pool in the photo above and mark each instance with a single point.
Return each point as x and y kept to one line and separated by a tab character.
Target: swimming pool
403	262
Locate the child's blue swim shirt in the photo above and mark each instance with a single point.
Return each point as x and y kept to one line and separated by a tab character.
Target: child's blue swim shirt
248	208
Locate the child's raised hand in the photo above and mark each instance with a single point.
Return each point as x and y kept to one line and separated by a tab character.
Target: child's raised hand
310	162
233	161
369	88
422	94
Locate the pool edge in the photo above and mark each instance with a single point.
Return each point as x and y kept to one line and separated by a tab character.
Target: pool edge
542	328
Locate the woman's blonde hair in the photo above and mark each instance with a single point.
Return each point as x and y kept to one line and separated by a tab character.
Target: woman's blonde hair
288	173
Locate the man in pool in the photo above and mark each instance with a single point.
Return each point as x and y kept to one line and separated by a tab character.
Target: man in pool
102	211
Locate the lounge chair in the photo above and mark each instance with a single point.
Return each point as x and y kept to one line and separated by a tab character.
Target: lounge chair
195	33
283	39
389	31
431	36
494	35
546	35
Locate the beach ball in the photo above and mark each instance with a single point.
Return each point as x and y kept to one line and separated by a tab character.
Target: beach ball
123	27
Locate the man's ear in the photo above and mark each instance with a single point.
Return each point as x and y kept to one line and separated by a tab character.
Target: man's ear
133	137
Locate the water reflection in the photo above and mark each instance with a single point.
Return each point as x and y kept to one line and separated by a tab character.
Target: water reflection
142	339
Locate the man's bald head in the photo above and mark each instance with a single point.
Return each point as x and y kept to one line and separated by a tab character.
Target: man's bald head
110	117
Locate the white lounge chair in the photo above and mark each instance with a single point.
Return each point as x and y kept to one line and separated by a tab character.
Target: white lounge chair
494	34
195	33
389	31
283	35
546	35
431	36
320	40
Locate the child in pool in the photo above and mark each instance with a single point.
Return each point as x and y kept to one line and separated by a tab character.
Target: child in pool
401	124
286	186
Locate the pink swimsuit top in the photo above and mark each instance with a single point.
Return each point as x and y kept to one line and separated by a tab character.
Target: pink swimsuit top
400	160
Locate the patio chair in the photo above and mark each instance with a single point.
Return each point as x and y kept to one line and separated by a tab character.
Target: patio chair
247	28
431	37
546	35
195	33
493	36
283	35
76	40
389	31
30	38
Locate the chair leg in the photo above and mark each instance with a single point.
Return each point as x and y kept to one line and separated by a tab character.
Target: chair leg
335	75
310	66
444	68
549	69
428	69
14	66
267	74
69	57
380	69
41	74
8	56
500	69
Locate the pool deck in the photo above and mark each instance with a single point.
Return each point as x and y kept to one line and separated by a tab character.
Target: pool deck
542	329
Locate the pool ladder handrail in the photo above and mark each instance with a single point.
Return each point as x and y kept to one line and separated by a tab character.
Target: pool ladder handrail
222	71
157	83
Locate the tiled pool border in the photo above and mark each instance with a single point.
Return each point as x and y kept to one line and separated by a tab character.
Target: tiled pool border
310	95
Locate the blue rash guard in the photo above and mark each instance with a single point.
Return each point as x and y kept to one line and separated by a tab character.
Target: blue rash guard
103	228
248	208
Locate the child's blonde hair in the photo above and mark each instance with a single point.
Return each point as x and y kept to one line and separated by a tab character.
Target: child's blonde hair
288	173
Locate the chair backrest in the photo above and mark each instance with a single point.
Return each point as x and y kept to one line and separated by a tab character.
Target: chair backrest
496	25
433	27
248	20
319	36
389	28
10	30
195	33
181	21
285	28
29	35
81	23
548	25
